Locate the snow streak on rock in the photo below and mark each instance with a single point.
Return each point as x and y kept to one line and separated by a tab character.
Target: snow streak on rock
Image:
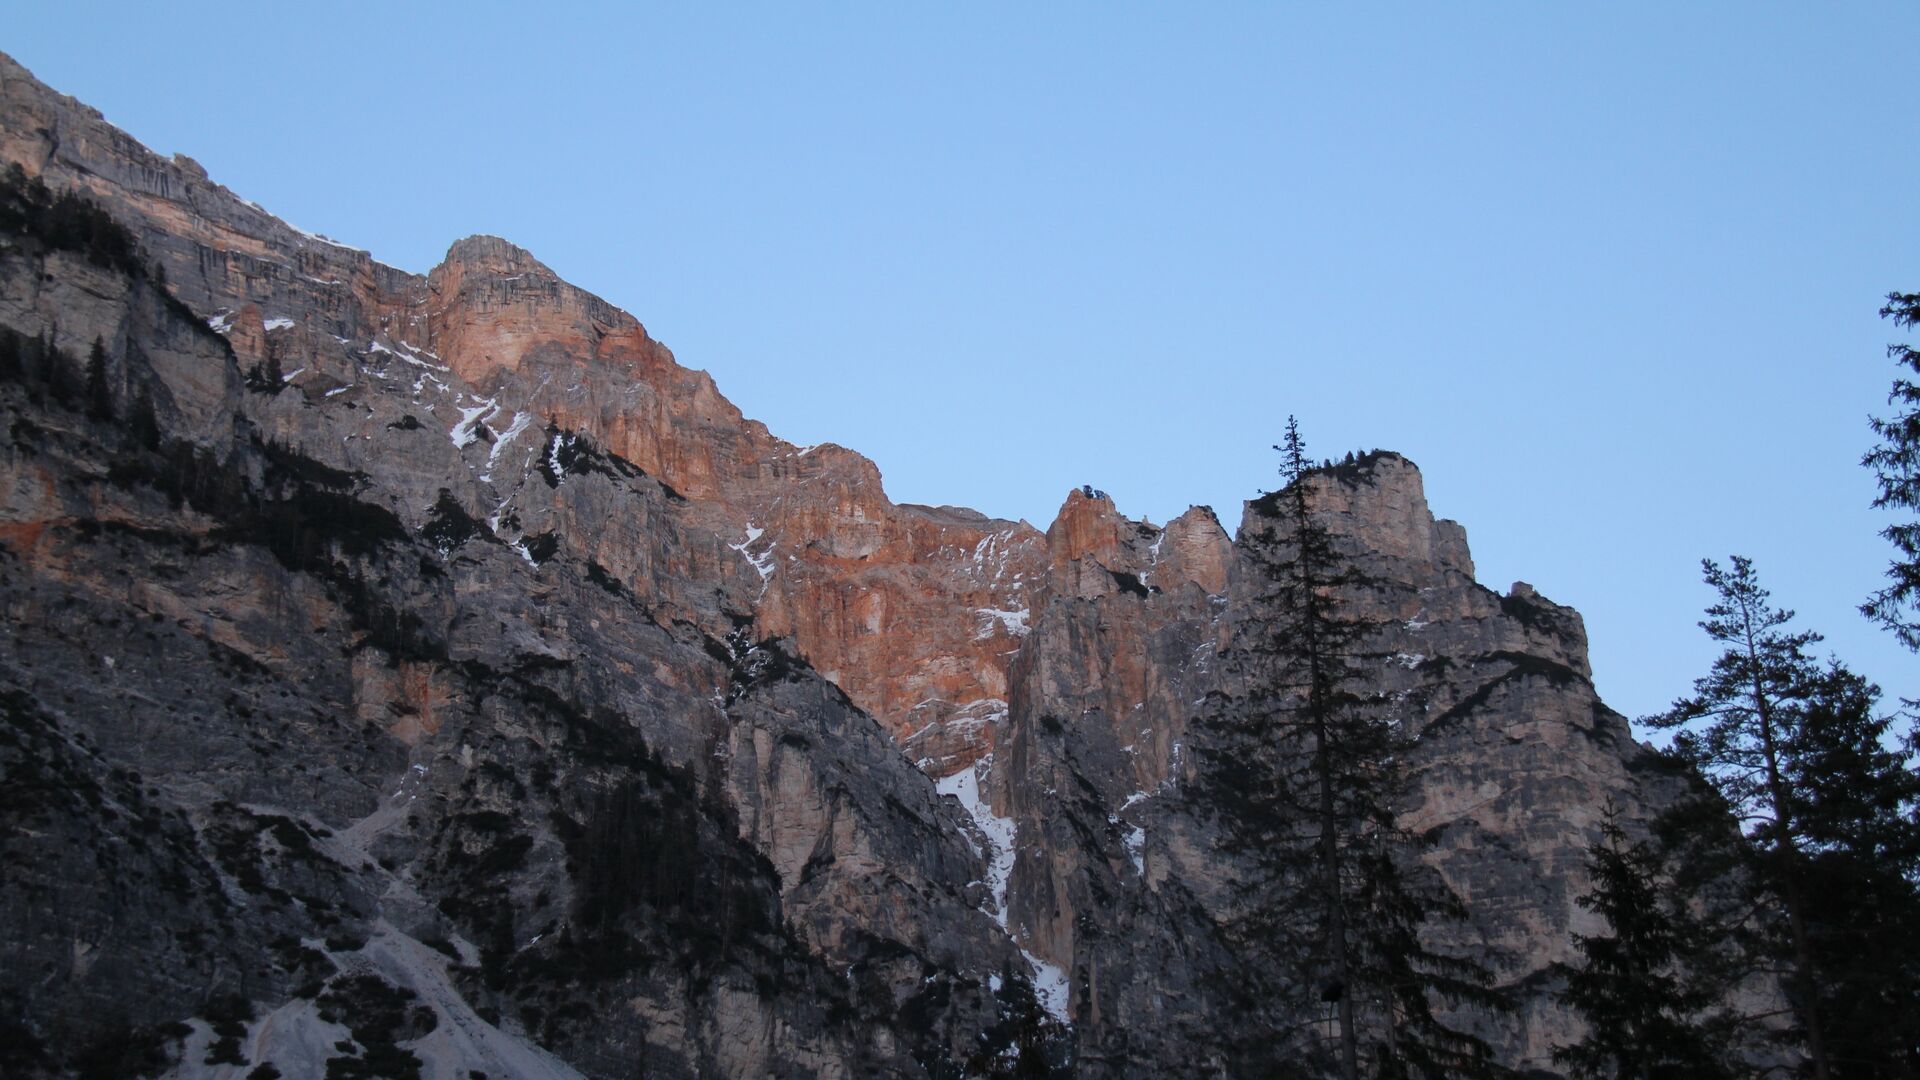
762	562
1049	981
520	422
463	432
999	831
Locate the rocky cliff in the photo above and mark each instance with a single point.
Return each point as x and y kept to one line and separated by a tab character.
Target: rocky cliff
429	673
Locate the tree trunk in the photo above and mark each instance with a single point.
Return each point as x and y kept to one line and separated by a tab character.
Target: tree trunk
1784	852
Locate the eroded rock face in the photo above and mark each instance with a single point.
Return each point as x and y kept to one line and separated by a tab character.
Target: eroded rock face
496	654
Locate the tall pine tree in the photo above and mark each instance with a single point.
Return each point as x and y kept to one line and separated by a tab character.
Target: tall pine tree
1830	857
1751	704
1636	985
1307	774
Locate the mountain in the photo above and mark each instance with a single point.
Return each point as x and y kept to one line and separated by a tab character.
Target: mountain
428	675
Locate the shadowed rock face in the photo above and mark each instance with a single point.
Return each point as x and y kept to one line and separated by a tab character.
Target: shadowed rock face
496	655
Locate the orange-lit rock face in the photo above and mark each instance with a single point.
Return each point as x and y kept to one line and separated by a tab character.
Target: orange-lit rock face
496	315
868	590
916	613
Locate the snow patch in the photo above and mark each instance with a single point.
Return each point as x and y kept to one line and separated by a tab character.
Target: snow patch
1408	660
1153	556
463	433
408	353
999	831
221	323
412	356
559	443
278	322
520	422
763	562
1013	622
1049	981
314	236
1050	986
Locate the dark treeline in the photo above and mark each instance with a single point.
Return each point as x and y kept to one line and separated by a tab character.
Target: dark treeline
51	375
1769	925
66	222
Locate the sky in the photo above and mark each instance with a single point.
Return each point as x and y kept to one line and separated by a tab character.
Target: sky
1609	274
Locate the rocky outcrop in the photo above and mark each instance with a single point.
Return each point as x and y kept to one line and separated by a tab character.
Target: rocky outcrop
433	665
1121	865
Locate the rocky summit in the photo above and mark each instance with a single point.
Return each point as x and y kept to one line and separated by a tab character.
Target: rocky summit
427	675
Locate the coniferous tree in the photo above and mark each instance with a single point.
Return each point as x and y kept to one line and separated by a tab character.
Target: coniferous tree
1307	777
63	374
1896	464
143	426
1830	856
38	363
99	396
1860	841
1636	986
10	363
1752	702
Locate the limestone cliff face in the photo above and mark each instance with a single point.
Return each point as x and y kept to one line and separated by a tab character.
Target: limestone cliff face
850	575
1120	880
496	657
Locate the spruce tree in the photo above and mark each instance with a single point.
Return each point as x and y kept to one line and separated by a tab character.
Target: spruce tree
143	426
1751	702
1306	773
1895	462
1830	855
1636	985
99	395
1860	842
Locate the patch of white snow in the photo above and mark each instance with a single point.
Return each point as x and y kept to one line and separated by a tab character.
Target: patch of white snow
463	432
762	562
1012	622
1050	986
999	831
520	422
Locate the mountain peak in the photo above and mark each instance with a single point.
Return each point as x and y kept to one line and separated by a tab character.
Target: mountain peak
495	254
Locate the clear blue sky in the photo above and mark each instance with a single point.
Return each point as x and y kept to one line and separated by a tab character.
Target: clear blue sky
1609	273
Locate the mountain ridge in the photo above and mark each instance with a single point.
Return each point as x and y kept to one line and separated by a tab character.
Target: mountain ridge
525	587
